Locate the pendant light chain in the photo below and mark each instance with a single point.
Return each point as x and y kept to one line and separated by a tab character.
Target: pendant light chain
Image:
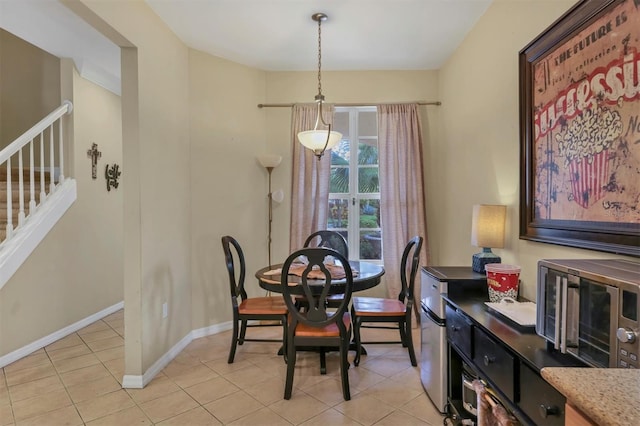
319	56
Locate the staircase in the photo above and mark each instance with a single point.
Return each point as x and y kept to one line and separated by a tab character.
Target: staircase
15	196
33	197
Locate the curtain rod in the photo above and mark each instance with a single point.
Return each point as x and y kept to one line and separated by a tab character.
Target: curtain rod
353	104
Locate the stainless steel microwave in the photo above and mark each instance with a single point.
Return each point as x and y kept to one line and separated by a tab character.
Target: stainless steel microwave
590	309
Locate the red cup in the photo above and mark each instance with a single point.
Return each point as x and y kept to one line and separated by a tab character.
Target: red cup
502	281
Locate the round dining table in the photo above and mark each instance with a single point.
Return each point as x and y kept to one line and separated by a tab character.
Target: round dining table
368	275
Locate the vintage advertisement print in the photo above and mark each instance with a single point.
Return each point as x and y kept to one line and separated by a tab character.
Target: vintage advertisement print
586	122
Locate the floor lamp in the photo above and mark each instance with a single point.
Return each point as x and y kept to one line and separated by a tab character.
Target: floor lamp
270	162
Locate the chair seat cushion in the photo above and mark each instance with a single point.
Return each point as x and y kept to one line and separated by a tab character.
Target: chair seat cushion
263	306
378	306
330	330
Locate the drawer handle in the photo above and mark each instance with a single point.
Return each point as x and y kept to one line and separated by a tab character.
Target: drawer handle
546	411
488	360
455	328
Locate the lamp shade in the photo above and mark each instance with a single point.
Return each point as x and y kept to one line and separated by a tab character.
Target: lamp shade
316	139
270	160
487	226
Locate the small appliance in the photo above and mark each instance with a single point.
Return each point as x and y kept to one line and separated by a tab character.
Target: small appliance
591	310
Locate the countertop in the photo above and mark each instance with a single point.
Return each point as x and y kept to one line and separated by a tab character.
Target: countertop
608	396
531	348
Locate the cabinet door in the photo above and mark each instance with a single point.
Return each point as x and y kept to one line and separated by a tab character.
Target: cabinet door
495	362
539	400
459	331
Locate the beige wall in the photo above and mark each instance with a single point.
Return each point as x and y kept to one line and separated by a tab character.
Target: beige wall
156	173
367	87
479	149
29	86
228	185
76	270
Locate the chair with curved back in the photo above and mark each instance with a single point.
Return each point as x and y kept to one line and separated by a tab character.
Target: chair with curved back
398	311
249	308
329	239
317	326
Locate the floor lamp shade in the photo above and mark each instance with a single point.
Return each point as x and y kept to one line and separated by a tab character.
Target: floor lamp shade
487	231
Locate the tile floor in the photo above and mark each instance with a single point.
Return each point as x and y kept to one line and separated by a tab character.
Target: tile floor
76	381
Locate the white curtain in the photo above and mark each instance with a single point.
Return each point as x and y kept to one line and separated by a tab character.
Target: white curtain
401	189
310	178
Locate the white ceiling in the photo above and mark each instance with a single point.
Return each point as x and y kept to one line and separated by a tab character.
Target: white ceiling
279	35
273	35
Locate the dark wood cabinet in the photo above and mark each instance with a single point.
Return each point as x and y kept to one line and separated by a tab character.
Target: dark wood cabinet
505	357
495	362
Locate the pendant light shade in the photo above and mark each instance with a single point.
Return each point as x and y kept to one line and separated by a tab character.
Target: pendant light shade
321	137
316	140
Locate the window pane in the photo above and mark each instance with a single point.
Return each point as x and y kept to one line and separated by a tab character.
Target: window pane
341	122
370	245
367	123
339	180
368	180
340	153
338	214
369	213
368	152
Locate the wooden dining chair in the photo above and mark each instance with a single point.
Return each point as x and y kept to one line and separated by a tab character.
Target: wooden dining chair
317	326
380	310
329	239
245	309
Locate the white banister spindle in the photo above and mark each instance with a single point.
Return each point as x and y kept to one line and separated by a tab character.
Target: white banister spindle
9	203
43	193
32	183
60	153
42	166
20	189
52	184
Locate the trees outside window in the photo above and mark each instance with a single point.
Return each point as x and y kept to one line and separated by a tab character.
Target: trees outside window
354	193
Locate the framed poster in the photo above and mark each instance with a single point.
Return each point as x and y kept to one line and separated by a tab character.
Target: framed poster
580	129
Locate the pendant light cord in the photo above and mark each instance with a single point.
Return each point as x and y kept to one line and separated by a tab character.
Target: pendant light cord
319	57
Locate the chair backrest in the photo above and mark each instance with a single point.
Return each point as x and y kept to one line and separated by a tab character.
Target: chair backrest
316	288
236	281
330	239
411	251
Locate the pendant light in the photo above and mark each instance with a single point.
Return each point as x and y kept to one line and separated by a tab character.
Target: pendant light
321	137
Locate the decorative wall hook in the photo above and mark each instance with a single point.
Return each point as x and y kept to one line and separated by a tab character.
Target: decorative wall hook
94	154
112	175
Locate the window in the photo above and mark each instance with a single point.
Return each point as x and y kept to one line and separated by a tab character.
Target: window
354	189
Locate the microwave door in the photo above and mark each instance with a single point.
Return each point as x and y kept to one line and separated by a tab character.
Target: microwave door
560	289
571	316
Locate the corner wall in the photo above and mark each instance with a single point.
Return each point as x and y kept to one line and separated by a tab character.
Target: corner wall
480	145
76	270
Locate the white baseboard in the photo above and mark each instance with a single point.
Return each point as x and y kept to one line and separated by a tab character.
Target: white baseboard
47	340
139	382
128	380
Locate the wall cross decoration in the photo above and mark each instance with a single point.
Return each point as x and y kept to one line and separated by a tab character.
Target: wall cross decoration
112	175
94	154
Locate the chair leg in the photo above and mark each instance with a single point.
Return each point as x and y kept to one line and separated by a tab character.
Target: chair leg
243	332
356	336
406	325
291	364
234	341
344	369
323	361
284	339
402	327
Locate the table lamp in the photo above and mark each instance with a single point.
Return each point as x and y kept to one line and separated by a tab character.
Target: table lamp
487	231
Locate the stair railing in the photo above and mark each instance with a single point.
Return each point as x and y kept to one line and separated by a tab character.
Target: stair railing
44	129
